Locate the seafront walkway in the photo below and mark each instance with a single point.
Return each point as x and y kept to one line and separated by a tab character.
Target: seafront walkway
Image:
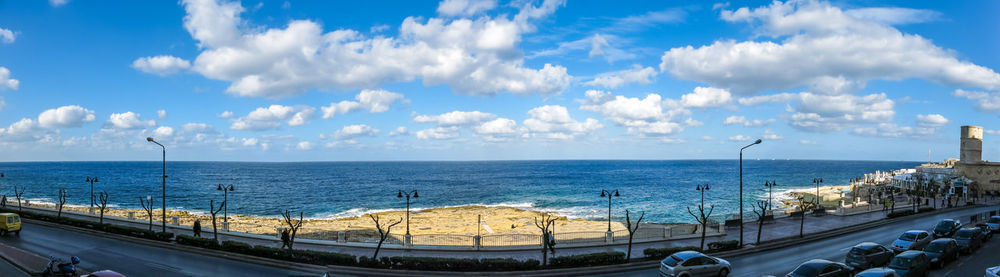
781	227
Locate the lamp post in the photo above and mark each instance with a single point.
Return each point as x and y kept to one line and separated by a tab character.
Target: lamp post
817	181
225	199
91	181
702	189
770	187
164	182
408	194
741	189
609	195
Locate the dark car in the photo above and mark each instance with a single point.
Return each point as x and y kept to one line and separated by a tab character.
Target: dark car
946	228
910	263
824	268
969	239
877	272
942	251
867	255
987	232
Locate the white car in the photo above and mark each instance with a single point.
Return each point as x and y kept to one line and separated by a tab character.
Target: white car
994	223
693	264
993	271
911	240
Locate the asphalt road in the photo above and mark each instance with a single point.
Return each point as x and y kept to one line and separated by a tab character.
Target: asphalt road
8	270
779	262
131	259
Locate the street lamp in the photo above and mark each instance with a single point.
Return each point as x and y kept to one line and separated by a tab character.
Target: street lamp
817	181
741	189
225	199
609	195
400	195
770	186
91	181
702	189
164	183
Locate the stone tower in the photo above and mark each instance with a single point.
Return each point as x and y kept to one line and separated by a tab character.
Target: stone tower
972	145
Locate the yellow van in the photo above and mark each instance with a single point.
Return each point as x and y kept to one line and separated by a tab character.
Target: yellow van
10	223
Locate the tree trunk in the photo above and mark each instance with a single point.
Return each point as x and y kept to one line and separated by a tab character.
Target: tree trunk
703	227
377	248
760	229
628	255
215	231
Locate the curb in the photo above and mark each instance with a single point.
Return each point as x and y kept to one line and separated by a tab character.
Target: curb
191	249
19	266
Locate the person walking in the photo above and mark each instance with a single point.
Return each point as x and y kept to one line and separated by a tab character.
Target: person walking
197	228
285	239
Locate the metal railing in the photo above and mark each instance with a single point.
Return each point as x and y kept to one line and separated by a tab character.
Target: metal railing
509	240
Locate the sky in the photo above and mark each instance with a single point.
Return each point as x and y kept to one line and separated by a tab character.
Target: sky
222	80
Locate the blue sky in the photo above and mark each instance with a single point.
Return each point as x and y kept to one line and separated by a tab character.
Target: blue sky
495	80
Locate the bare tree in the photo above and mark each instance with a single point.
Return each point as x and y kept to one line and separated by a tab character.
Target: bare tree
702	219
631	232
548	241
383	232
62	201
214	211
760	209
18	194
294	226
148	208
103	197
803	206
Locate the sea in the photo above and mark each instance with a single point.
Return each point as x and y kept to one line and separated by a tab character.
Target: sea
662	189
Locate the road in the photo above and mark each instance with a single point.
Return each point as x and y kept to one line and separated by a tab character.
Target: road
8	270
131	259
779	262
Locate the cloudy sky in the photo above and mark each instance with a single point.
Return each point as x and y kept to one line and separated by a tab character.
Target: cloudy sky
495	80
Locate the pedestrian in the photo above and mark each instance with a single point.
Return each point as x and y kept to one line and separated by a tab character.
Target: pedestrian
285	240
197	228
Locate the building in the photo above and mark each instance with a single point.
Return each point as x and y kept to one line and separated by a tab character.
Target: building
984	175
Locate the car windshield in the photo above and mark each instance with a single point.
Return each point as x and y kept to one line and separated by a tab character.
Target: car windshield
908	237
944	225
963	234
900	263
804	270
935	247
857	251
994	220
672	260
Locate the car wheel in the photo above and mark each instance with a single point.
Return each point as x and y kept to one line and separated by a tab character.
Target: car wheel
723	272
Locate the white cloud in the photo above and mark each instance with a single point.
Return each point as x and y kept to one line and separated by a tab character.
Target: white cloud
465	7
375	101
931	120
455	118
498	127
7	36
644	116
894	16
6	82
600	45
225	114
2	103
25	129
399	131
703	97
773	98
892	131
439	133
474	57
741	120
985	101
163	131
161	114
807	142
740	138
273	117
554	122
827	113
250	141
304	145
637	74
161	65
770	135
57	3
65	117
128	120
355	131
821	43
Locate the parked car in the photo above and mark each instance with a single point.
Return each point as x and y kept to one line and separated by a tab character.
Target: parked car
942	251
985	229
877	272
693	264
969	239
10	223
910	263
993	271
911	240
867	255
824	268
994	223
946	228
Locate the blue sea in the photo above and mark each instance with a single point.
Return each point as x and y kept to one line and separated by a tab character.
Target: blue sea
663	189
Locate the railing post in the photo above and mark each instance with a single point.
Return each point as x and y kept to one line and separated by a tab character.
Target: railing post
131	215
666	232
722	228
90	210
341	236
175	220
225	226
27	202
477	242
609	237
407	240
